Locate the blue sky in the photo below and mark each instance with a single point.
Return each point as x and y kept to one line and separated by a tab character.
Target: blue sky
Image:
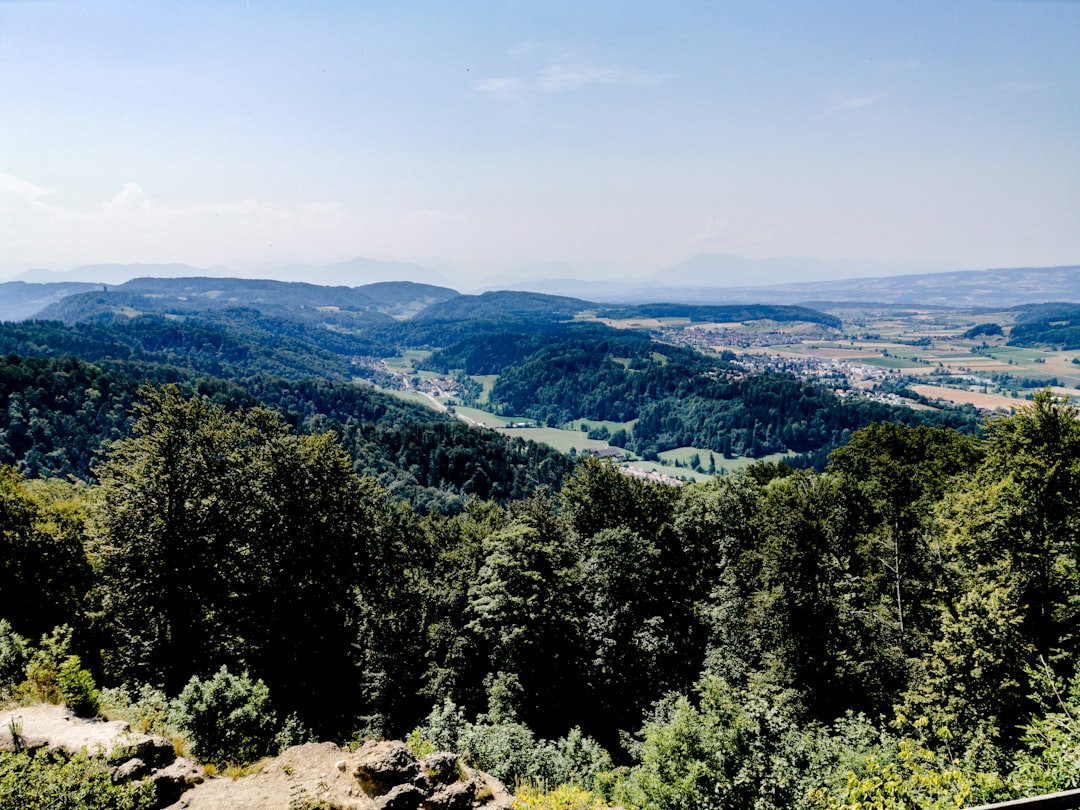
588	139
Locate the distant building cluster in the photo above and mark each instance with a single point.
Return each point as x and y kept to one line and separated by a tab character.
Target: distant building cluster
651	476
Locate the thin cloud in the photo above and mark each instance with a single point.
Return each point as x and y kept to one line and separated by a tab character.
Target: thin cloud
11	185
564	76
838	103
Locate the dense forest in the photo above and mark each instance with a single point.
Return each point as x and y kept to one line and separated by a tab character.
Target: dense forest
675	397
57	415
898	629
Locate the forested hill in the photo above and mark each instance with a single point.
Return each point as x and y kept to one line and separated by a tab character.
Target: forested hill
668	396
178	295
1047	325
715	313
505	305
57	416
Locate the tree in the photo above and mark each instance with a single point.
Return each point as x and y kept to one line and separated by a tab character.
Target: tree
224	539
524	613
892	477
1011	534
44	571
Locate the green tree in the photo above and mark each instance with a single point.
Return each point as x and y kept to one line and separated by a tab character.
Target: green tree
223	538
896	474
524	612
814	630
44	570
1010	538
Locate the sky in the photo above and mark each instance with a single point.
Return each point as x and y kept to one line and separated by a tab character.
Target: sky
587	139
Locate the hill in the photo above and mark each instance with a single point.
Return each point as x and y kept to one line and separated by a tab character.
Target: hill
706	313
505	305
968	288
20	300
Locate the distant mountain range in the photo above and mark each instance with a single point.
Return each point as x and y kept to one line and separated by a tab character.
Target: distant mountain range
1001	287
695	281
354	273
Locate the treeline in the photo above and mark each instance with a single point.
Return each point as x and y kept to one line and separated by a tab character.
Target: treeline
751	630
57	416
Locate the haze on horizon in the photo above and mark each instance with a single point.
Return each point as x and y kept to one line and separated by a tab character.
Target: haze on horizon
595	140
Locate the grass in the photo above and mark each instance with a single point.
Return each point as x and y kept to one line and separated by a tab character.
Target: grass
890	362
410	396
684	454
487	381
407	360
589	424
562	440
485	418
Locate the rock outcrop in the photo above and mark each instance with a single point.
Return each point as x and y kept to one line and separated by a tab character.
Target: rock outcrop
132	755
378	776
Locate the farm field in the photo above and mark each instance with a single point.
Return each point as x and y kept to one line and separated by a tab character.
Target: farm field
924	347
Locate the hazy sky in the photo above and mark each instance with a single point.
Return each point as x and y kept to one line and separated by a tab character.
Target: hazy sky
487	137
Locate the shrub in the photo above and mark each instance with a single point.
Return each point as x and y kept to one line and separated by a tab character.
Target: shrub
228	717
76	687
148	710
444	726
505	750
14	656
44	666
49	781
565	797
56	676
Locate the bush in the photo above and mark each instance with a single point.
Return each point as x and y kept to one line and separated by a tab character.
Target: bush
228	718
444	725
509	752
14	656
49	781
56	676
573	760
505	750
44	666
77	688
149	710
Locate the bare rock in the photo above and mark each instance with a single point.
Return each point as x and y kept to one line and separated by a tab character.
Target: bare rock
455	796
491	794
402	797
174	779
382	766
440	768
134	768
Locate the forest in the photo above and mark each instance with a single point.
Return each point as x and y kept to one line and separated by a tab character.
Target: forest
676	396
898	629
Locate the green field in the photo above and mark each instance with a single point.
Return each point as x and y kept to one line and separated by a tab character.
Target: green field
407	361
590	424
411	396
574	439
682	455
562	440
485	418
890	362
487	381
